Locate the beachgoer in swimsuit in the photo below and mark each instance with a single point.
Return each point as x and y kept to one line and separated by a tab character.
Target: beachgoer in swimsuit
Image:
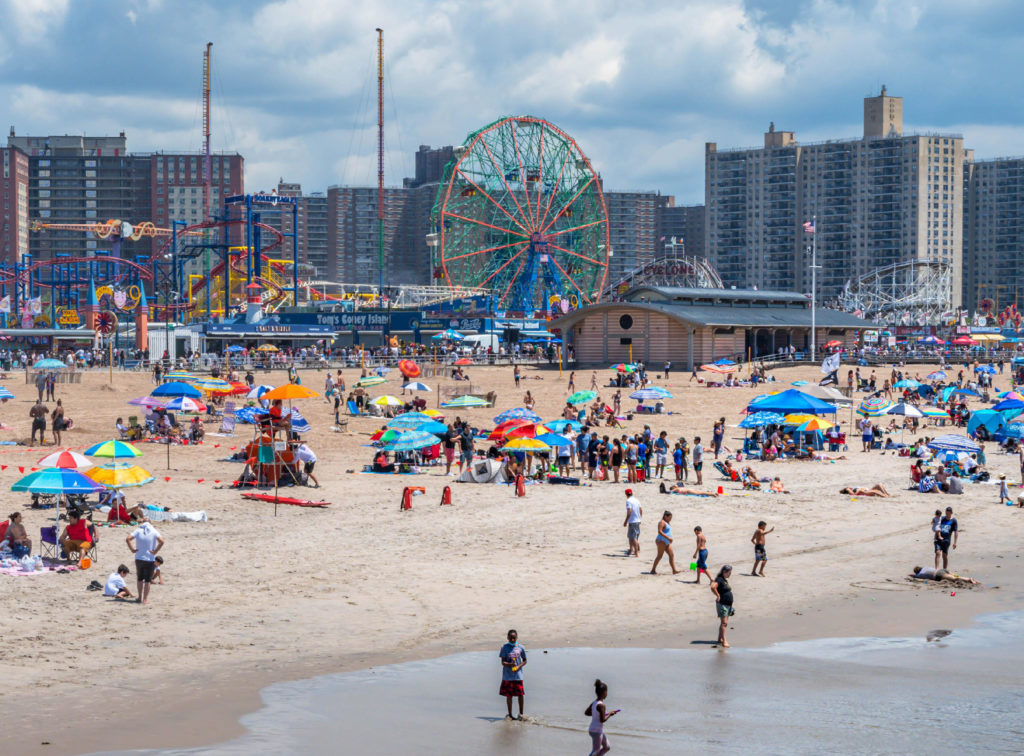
664	544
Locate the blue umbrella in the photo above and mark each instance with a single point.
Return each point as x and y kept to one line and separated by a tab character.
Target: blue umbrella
49	364
416	386
410	420
799	383
1014	430
985	369
299	423
554	439
652	394
175	388
5	394
790	401
559	426
57	480
723	361
412	440
909	383
938	375
760	419
1009	404
235	348
432	426
517	413
950	390
952	442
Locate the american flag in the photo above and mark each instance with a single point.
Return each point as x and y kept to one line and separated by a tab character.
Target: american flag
809	227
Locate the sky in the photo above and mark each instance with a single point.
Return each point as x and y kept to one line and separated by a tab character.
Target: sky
640	85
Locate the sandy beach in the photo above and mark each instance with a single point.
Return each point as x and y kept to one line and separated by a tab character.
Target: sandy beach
250	598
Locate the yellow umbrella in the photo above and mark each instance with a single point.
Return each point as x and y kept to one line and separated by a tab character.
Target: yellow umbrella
289	391
119	475
799	419
388	401
815	424
525	445
433	413
266	348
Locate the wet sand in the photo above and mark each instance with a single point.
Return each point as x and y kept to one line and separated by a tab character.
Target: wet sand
250	600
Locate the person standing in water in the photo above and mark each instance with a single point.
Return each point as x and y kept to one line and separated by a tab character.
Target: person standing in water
513	659
723	601
599	714
664	544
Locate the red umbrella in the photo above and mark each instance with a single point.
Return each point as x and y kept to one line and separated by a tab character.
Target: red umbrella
499	433
409	369
964	341
237	389
530	430
464	361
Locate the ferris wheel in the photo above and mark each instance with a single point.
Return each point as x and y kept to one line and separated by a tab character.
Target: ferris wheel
520	211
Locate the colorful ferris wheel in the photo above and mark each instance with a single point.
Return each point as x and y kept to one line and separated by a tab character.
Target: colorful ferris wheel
520	211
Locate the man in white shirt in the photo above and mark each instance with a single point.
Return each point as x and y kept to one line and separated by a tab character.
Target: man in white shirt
634	514
308	459
116	586
147	542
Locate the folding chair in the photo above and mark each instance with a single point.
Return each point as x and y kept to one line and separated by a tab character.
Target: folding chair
229	408
227	425
48	544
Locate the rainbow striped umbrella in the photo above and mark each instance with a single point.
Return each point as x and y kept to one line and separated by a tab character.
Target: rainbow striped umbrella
935	412
113	450
876	406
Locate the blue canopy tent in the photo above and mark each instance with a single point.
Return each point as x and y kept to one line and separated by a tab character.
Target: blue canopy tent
793	401
992	420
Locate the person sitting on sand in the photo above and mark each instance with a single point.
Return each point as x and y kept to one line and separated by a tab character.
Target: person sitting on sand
876	490
116	587
685	491
196	432
927	573
777	486
381	464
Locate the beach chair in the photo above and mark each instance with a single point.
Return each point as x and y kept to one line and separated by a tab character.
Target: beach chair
229	409
353	409
48	544
227	425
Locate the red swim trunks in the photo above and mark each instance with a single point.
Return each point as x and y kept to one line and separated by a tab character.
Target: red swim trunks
511	688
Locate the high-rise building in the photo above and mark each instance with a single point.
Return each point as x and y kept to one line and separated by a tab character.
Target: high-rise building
633	229
430	165
14	217
681	230
882	199
352	236
312	227
993	233
177	181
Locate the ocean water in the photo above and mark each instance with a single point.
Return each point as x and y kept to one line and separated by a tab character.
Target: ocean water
962	693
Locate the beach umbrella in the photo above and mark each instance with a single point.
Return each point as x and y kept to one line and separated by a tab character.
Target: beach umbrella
560	426
177	388
1009	404
370	380
875	406
987	369
1014	430
554	439
798	383
57	481
930	340
1010	395
257	392
581	397
964	341
185	404
412	440
432	426
829	394
907	410
720	369
409	369
502	429
935	412
266	348
792	400
416	386
760	419
448	335
526	445
907	383
387	401
798	418
290	391
517	413
624	367
113	449
951	390
938	375
386	435
723	361
814	424
179	375
382	370
212	385
410	420
119	475
436	414
463	361
148	402
66	459
234	348
5	394
466	401
530	430
237	389
650	394
952	442
299	424
50	364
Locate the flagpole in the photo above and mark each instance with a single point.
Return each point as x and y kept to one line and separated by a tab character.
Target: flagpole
814	282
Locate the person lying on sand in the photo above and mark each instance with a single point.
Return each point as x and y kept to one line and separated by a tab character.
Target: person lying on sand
684	491
927	573
876	490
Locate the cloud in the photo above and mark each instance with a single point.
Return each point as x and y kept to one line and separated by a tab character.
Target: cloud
640	85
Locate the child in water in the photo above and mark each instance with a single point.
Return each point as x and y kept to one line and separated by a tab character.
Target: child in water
598	716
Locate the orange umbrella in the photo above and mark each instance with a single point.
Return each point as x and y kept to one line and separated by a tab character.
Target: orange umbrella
409	369
289	391
464	361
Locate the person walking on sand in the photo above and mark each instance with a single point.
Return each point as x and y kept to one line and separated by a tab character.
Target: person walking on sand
664	544
145	541
598	716
634	515
593	381
38	415
513	659
701	553
572	382
946	535
723	602
515	374
717	435
760	555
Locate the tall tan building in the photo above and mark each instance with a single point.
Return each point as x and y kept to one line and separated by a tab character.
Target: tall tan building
882	199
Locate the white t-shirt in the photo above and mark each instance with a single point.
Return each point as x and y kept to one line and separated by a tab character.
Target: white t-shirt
145	541
114	583
305	454
633	509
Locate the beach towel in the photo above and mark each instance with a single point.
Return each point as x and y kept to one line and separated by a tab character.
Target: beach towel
199	516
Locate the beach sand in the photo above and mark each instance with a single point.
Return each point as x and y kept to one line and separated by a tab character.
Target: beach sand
250	599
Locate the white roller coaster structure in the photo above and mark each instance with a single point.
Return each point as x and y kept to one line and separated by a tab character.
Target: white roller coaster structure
685	271
915	292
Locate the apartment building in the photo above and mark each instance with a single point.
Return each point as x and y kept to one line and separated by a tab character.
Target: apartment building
633	229
993	233
881	199
14	219
681	230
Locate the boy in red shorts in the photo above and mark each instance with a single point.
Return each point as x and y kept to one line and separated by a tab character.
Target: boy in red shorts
513	659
